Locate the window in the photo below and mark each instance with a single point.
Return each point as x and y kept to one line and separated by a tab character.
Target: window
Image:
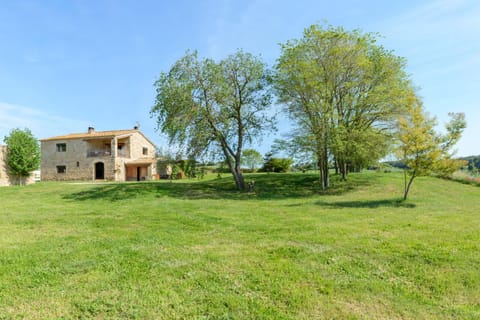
61	147
145	151
61	169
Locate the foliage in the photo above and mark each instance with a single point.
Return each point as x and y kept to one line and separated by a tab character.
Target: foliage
23	153
298	146
252	159
272	164
189	167
344	92
473	164
424	151
165	163
164	168
207	105
181	168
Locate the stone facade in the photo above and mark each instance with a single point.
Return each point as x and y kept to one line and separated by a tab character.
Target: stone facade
118	155
5	178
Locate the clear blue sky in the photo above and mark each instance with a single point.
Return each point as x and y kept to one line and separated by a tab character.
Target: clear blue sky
67	65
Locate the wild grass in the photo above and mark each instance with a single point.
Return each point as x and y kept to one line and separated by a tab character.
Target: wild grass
466	177
201	250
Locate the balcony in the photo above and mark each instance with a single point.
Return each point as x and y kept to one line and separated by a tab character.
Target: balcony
123	153
106	153
98	153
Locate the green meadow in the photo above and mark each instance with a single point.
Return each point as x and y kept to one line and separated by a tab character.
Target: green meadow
198	249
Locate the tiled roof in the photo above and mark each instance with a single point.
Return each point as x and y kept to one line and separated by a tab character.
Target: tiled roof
95	134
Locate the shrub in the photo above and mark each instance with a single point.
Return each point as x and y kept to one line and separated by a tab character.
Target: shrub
277	165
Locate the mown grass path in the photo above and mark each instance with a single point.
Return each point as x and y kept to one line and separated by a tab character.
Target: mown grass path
201	250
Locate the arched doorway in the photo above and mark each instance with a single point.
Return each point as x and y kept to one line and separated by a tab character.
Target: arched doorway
99	171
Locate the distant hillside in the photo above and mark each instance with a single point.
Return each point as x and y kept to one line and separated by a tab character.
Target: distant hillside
473	162
396	164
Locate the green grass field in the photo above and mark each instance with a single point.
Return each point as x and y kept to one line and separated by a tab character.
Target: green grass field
201	250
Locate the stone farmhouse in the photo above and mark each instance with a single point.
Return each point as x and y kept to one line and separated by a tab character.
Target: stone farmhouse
5	178
118	155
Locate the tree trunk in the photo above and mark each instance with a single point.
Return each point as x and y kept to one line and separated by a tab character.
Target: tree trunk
234	169
237	176
324	174
407	186
344	169
320	177
239	180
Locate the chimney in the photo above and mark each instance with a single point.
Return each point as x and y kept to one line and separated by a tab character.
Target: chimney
91	130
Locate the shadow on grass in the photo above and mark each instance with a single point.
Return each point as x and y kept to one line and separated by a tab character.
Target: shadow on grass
372	204
267	186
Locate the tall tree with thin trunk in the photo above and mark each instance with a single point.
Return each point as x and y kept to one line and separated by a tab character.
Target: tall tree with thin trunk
424	151
344	91
252	158
204	104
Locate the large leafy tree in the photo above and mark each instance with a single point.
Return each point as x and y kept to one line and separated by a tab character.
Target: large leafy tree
252	158
423	150
23	153
343	91
204	104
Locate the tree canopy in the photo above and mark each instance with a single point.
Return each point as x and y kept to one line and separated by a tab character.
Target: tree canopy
252	158
23	153
349	98
206	104
343	91
424	151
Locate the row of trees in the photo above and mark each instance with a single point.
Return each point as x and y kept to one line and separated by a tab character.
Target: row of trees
349	98
343	92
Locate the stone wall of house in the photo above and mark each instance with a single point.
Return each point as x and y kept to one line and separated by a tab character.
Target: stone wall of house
5	178
119	169
77	165
137	143
79	160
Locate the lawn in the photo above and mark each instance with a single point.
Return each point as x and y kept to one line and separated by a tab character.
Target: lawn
201	250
